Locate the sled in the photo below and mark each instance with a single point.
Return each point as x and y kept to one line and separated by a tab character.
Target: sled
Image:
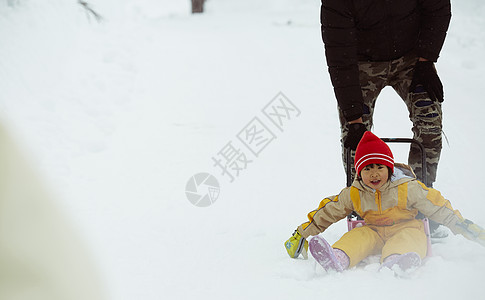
354	220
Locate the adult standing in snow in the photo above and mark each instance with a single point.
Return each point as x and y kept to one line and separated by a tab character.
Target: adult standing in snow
371	44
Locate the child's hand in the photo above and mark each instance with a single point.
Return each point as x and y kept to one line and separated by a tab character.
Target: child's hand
471	231
297	244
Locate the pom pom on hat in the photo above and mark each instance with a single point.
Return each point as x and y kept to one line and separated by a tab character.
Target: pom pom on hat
372	150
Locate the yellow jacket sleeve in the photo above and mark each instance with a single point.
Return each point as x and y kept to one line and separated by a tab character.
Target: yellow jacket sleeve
330	210
433	205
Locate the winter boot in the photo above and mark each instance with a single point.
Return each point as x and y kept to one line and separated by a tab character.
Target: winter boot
324	254
406	262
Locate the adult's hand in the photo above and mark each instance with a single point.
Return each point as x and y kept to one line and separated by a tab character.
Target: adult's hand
425	75
356	131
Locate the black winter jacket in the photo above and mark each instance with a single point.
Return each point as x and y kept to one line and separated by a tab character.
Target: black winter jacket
377	30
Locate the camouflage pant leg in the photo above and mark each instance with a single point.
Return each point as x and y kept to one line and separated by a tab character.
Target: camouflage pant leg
426	116
373	78
424	113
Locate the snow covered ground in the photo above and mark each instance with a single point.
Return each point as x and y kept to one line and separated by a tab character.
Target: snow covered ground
117	116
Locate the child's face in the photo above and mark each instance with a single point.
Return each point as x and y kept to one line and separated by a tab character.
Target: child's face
374	175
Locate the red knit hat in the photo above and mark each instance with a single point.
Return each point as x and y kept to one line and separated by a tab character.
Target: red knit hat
372	150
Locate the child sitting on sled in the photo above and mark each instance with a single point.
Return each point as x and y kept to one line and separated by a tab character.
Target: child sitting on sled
388	197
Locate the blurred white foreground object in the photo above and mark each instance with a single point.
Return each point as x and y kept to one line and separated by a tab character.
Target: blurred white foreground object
41	257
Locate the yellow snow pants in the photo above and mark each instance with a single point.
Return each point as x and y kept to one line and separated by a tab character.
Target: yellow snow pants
368	240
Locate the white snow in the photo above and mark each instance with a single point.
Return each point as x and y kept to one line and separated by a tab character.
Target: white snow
118	115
